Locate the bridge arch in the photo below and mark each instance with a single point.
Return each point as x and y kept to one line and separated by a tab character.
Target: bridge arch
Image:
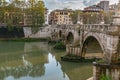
70	38
92	44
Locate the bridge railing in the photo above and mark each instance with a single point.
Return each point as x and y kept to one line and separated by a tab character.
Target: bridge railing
102	28
95	27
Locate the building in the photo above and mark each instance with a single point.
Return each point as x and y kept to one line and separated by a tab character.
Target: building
104	5
93	8
92	14
112	8
116	17
60	17
46	16
13	18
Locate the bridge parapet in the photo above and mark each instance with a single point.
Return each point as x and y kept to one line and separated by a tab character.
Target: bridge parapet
101	28
70	27
95	27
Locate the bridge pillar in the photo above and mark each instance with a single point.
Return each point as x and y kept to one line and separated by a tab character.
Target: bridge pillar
106	70
111	51
67	49
71	50
111	67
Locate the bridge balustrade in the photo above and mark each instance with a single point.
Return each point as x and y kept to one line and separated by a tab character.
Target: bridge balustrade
95	27
101	28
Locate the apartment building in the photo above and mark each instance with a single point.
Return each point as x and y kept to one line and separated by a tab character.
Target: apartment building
60	17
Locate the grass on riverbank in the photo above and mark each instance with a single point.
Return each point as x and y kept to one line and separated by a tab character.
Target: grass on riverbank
23	39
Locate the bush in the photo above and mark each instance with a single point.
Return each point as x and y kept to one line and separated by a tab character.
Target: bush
104	77
59	45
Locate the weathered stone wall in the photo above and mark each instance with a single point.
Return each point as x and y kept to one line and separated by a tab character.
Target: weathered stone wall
41	33
27	31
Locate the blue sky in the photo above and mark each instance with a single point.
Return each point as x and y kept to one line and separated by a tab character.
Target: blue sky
73	4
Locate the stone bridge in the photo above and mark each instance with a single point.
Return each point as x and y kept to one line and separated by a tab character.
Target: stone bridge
77	37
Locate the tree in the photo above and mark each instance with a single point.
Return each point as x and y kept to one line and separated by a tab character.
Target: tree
15	12
74	16
108	18
36	10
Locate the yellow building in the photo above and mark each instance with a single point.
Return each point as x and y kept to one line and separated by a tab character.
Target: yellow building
60	17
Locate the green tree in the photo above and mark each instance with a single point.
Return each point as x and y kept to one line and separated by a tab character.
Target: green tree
74	16
14	11
105	77
36	10
108	18
97	17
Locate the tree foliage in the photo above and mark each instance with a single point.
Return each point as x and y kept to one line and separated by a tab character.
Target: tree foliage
74	16
92	17
15	12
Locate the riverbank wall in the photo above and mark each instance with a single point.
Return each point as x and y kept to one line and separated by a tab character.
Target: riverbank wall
14	32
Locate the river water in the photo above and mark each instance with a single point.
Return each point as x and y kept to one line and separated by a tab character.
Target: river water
38	61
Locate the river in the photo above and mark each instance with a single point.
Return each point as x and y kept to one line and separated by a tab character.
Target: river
38	61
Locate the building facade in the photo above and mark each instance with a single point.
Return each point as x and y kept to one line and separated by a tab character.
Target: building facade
92	15
46	15
96	14
116	17
112	8
60	17
93	8
104	5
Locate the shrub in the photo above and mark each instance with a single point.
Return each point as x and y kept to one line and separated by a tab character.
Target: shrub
104	77
59	45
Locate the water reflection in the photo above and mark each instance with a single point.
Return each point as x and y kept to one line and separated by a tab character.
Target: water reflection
36	61
53	70
22	63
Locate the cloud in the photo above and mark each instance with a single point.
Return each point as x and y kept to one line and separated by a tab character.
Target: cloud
55	4
72	4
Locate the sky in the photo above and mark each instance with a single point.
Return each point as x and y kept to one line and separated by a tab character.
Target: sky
72	4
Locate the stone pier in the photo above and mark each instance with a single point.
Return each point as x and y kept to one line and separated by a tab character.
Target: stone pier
72	50
106	70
